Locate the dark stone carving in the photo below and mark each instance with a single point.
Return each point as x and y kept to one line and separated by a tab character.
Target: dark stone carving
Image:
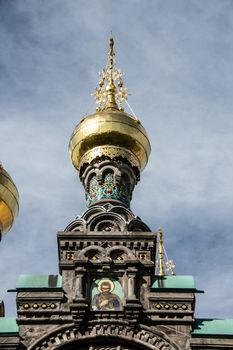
101	336
107	217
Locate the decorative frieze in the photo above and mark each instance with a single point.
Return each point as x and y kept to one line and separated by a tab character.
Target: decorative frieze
102	334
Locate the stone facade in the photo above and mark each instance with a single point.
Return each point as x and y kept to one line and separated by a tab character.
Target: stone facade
149	316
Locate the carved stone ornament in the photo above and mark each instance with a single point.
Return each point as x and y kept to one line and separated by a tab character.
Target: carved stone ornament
104	336
106	217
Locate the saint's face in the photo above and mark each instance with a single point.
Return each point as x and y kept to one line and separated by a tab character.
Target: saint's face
105	288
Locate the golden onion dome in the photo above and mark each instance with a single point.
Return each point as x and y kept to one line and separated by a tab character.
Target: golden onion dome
9	201
110	131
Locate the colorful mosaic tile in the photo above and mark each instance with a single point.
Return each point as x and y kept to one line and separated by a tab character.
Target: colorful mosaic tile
107	189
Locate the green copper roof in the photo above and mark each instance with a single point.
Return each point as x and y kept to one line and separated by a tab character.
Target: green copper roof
8	325
39	281
173	282
213	327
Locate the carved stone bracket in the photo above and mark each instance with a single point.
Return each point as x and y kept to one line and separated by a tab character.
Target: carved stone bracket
78	310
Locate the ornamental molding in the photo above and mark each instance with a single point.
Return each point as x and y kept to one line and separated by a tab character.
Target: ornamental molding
139	337
122	217
105	252
111	152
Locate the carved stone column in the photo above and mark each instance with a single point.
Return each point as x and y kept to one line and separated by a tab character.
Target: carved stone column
79	284
132	306
131	284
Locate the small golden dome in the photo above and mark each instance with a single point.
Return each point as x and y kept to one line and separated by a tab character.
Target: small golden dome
110	133
9	201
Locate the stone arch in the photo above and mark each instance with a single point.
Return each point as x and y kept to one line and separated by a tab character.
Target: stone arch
124	212
93	173
70	337
137	225
92	212
107	224
101	342
115	219
109	168
121	249
88	174
76	225
120	214
91	250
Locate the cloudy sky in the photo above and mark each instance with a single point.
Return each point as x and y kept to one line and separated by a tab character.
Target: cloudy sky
177	59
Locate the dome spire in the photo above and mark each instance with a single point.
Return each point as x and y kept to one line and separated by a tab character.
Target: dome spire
110	88
108	95
109	148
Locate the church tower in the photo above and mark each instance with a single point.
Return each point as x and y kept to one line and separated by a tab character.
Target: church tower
112	292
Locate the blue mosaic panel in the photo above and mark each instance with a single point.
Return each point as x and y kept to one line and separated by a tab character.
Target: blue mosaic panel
107	190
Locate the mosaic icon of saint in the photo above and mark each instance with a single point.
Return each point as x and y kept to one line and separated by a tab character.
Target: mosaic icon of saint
106	300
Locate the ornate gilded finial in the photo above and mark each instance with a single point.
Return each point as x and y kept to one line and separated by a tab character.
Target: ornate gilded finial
107	94
161	265
160	250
